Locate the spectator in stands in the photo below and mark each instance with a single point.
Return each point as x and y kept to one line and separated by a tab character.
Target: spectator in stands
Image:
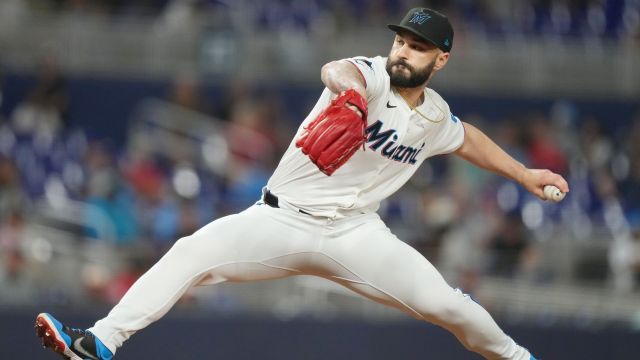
16	288
110	208
630	185
156	206
252	150
12	231
1	94
509	135
237	92
543	150
462	256
595	145
509	245
45	109
12	197
186	92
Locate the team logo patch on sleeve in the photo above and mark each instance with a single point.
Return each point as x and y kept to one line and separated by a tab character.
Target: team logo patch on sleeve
454	118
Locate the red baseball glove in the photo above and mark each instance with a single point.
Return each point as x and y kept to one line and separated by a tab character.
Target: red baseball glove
335	135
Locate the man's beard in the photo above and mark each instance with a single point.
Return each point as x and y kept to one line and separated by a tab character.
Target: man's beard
416	77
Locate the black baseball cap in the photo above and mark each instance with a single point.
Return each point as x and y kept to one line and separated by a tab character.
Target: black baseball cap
428	25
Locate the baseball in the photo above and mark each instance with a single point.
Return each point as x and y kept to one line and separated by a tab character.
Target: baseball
553	193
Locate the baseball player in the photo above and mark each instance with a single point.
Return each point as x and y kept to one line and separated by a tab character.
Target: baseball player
374	124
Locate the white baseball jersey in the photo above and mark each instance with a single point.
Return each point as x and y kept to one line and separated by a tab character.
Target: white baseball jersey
399	139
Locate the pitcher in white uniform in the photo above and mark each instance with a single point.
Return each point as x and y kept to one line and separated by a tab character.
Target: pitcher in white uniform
309	223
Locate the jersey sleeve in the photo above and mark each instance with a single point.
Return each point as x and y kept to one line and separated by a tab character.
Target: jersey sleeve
374	73
450	136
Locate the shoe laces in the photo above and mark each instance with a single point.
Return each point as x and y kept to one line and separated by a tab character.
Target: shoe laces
78	331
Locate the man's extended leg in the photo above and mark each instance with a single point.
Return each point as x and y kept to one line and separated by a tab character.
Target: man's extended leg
259	243
367	258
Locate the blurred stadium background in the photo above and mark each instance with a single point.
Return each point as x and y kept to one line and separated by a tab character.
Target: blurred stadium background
127	124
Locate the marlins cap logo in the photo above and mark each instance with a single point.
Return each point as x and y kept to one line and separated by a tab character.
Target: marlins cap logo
420	17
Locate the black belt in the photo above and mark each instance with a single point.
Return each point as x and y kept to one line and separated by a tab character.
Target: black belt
270	199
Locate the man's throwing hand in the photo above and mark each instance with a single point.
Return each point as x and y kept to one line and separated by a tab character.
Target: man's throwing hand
535	181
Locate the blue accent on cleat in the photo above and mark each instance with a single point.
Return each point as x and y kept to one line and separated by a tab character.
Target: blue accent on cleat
59	327
103	352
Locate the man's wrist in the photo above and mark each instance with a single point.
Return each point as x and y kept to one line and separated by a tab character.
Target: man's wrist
521	174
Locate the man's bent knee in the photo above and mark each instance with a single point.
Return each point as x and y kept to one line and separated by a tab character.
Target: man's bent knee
444	308
186	247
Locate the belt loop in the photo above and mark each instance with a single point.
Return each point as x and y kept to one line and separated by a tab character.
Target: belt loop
270	199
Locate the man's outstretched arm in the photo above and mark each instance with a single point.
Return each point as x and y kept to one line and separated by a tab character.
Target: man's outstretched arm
342	75
481	151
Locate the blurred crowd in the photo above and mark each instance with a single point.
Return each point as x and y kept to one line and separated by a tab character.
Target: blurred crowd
136	199
81	217
119	208
582	18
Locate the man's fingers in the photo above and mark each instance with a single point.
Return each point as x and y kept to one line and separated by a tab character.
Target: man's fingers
355	109
545	177
559	182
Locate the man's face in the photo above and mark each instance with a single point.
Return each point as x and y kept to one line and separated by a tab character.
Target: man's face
411	61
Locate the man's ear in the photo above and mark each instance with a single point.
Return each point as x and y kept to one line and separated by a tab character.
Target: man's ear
441	60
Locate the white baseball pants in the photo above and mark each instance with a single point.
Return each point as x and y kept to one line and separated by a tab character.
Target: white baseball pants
262	243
